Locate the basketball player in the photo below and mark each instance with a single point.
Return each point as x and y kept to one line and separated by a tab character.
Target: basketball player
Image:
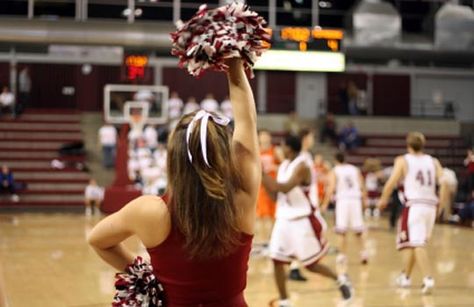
199	237
299	228
420	173
265	204
346	181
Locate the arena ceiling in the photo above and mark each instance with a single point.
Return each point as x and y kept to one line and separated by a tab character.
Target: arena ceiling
417	15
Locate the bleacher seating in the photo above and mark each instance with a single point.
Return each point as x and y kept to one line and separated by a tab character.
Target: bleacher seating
29	144
450	150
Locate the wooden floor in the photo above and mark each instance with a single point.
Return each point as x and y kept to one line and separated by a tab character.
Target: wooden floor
46	262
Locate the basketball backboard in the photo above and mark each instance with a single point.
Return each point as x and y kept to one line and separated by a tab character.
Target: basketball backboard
120	100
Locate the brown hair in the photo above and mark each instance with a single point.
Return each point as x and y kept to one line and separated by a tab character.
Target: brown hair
202	197
416	141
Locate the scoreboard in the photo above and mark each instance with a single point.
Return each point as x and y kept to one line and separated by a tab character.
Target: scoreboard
306	39
303	49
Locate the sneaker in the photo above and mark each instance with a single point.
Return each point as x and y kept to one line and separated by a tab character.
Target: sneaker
345	287
428	284
403	281
295	275
15	198
376	213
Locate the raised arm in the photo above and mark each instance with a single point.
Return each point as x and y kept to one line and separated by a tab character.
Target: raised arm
395	177
245	137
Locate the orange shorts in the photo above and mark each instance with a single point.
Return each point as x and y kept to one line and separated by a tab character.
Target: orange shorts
265	205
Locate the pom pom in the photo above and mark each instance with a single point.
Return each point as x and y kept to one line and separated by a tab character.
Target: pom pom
138	287
212	36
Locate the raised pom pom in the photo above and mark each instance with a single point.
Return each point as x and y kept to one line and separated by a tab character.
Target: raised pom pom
211	36
138	287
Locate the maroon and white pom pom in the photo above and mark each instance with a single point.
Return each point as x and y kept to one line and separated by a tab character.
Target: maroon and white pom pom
211	36
138	287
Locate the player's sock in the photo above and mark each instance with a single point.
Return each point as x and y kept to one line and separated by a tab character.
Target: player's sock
88	211
403	281
345	286
284	303
428	284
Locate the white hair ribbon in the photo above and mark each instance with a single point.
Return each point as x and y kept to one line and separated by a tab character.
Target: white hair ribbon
204	117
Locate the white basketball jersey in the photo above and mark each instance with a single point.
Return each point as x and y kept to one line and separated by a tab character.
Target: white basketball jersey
295	203
420	180
347	182
313	188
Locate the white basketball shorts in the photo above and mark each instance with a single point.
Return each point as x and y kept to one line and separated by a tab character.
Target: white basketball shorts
416	225
302	239
349	216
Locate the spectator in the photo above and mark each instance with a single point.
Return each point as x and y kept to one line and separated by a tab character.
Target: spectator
24	88
210	104
449	182
8	183
175	108
151	137
328	129
108	141
352	95
292	124
466	213
7	101
226	108
469	163
343	97
93	196
190	106
349	137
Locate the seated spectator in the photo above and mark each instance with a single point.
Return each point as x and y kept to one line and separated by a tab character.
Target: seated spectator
8	183
7	101
469	163
449	182
210	104
328	129
93	197
175	108
191	106
108	141
150	134
465	214
349	137
226	108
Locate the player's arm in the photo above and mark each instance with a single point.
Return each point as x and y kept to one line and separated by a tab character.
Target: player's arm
331	188
363	191
133	219
301	176
245	137
391	183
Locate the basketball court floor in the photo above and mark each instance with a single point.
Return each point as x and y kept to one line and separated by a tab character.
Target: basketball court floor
46	262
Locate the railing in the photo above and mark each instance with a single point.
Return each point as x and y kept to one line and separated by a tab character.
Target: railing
431	108
293	13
